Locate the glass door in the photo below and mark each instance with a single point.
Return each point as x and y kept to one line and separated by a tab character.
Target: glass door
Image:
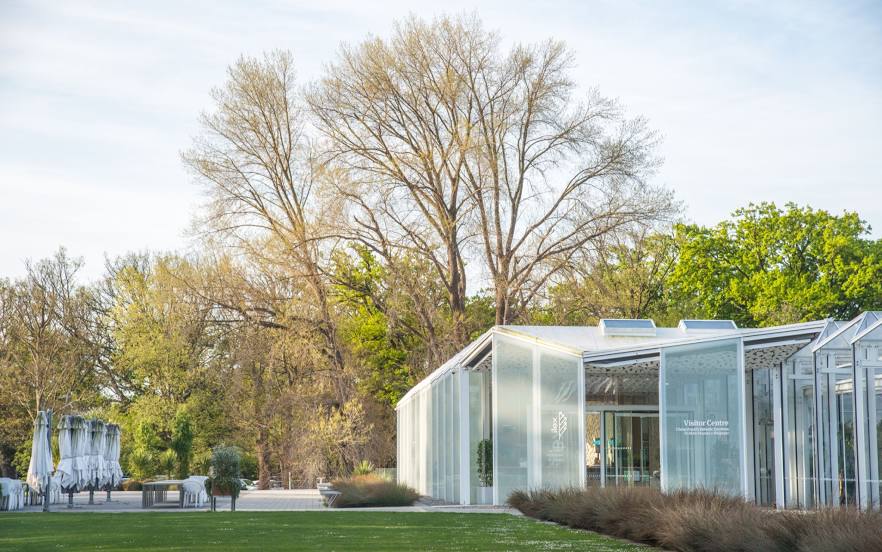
632	455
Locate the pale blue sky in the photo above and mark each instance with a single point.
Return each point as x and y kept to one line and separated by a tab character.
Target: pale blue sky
756	101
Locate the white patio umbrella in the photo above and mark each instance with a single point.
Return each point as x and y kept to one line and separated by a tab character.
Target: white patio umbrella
65	469
40	468
111	456
81	449
97	468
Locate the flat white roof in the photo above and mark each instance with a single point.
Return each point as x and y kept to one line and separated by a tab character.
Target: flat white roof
591	343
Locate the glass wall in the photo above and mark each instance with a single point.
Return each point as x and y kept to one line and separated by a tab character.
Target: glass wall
702	406
761	414
592	449
560	414
868	353
632	449
479	425
800	467
414	441
539	428
834	383
444	435
513	436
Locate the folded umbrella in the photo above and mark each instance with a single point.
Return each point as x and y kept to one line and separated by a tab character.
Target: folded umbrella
111	456
65	470
40	468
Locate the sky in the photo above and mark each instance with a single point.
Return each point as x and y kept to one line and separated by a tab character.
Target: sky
755	101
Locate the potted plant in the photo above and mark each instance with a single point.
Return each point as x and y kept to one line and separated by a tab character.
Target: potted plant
225	475
485	471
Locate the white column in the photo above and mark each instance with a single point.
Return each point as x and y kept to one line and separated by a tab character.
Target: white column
582	443
869	368
465	472
534	469
860	443
662	422
746	449
494	386
778	429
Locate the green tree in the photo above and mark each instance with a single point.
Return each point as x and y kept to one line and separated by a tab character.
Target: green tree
771	266
182	442
624	277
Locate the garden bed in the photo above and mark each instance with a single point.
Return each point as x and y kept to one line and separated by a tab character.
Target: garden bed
703	521
371	490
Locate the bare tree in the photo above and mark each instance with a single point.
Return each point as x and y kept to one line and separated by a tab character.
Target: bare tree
262	180
45	363
393	113
453	148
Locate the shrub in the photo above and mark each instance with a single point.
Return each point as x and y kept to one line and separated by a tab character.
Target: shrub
702	521
363	468
141	464
131	485
370	490
225	472
485	463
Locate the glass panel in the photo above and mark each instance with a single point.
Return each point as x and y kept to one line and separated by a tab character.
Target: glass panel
799	431
514	407
479	425
763	437
868	352
632	451
592	449
836	400
703	407
559	419
622	389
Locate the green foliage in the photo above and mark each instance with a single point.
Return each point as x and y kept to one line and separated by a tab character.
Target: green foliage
248	466
22	459
370	490
182	443
485	462
166	462
625	277
141	464
363	468
381	344
225	471
772	266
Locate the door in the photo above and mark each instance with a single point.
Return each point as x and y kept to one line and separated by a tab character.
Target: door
632	455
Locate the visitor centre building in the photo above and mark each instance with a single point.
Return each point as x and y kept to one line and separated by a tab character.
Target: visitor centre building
788	416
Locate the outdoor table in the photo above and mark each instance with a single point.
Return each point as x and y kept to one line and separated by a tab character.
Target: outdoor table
154	492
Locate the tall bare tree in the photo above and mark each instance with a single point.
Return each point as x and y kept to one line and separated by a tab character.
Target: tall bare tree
262	181
454	147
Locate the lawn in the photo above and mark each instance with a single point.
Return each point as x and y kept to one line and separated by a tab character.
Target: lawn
263	531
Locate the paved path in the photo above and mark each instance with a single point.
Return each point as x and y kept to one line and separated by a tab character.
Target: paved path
254	501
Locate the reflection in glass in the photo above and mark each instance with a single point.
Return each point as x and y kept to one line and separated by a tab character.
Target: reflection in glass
703	407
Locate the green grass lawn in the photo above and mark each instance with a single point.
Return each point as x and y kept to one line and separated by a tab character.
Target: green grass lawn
263	531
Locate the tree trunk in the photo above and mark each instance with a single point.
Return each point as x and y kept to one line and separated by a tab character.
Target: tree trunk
263	459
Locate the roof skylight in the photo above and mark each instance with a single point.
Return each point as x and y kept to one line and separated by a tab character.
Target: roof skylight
706	325
641	327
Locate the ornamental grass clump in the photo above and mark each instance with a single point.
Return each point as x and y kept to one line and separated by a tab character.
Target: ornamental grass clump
702	521
371	490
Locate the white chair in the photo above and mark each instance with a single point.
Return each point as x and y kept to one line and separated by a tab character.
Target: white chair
11	494
194	491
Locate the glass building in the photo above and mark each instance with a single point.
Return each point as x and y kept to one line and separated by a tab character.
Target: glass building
788	416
